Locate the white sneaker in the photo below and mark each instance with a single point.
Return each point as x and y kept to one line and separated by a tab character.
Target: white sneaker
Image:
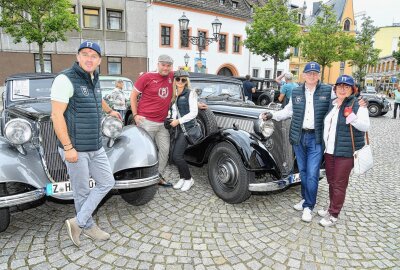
322	212
299	206
328	221
179	184
187	184
307	216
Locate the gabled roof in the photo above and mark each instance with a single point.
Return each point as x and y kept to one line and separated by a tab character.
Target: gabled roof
337	8
243	10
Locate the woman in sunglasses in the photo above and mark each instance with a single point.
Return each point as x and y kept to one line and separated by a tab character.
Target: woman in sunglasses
184	111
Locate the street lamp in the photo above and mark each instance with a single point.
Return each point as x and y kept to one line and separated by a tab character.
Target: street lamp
186	59
201	41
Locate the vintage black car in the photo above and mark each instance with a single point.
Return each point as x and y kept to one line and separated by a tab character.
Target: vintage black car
30	165
243	153
267	90
377	104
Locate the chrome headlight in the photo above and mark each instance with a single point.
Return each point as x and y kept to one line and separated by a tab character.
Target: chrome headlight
266	128
111	127
18	131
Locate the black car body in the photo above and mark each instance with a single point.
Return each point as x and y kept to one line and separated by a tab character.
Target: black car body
377	104
267	90
243	153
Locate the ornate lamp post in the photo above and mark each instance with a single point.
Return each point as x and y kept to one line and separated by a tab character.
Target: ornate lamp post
186	59
201	41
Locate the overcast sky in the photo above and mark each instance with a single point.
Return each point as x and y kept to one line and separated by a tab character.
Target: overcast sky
383	12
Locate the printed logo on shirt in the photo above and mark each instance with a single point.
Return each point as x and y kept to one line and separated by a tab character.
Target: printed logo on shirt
163	92
297	99
84	90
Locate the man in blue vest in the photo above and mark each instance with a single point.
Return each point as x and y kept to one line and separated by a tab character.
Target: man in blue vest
76	114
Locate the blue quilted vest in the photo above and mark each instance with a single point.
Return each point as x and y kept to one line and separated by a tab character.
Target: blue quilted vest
321	97
182	103
84	111
343	147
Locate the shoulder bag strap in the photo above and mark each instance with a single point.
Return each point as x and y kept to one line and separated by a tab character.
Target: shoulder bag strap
181	124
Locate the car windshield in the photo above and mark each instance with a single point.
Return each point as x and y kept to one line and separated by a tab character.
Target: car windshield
110	84
30	88
217	89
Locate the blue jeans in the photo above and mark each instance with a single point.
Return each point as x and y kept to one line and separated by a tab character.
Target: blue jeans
309	156
86	200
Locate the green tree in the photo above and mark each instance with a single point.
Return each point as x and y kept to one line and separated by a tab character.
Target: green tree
396	55
325	42
272	32
364	54
37	21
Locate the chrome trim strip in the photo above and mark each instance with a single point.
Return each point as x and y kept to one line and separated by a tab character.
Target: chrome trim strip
136	183
22	198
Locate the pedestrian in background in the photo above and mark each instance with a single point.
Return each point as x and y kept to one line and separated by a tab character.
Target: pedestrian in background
76	112
184	112
117	98
286	89
249	88
343	113
396	94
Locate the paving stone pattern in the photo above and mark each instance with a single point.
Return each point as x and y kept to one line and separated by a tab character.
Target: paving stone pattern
197	230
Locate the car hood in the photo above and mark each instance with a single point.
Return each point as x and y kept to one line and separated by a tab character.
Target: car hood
32	109
242	109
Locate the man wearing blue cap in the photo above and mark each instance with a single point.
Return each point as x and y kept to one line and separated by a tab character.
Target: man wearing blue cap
77	107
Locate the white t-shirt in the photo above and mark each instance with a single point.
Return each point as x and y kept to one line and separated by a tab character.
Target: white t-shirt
62	89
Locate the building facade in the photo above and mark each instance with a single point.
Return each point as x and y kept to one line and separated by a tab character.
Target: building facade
387	71
119	26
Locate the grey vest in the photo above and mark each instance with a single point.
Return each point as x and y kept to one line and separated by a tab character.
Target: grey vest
182	104
343	147
84	111
321	98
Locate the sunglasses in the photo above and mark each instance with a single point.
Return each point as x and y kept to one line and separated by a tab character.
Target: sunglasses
181	79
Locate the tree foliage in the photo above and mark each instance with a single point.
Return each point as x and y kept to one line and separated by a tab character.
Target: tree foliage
272	32
365	54
37	21
325	42
396	55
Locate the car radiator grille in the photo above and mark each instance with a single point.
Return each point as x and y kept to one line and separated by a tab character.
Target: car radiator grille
54	166
281	149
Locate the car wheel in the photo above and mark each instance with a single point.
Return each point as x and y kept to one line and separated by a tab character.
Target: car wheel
4	219
384	113
264	100
374	110
227	175
138	196
207	121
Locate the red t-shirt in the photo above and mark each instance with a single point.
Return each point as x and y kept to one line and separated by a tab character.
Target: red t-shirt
156	95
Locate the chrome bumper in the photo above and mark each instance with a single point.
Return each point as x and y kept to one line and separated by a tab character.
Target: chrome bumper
279	184
22	198
137	183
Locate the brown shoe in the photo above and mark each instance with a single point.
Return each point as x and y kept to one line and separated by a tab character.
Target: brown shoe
95	233
74	231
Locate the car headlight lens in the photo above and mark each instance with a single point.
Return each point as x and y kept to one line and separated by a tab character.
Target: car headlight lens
265	128
112	127
18	131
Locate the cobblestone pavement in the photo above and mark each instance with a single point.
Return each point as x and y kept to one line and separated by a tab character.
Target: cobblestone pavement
196	230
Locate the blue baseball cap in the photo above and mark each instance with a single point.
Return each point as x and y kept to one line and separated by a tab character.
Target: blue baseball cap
91	45
312	66
345	79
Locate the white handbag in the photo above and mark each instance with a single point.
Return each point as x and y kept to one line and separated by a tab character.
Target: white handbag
363	160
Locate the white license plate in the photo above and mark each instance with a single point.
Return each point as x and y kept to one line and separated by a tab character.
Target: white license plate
64	187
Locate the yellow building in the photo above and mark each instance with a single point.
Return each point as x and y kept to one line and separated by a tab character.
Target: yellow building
386	72
345	14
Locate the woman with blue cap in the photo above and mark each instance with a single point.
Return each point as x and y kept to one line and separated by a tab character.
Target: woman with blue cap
344	111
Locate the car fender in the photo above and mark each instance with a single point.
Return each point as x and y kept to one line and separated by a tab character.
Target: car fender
254	154
133	149
15	167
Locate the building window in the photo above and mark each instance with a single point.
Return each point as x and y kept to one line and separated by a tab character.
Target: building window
267	74
346	26
165	35
47	63
114	65
296	51
114	20
235	4
222	43
255	72
91	18
221	2
278	73
184	38
236	44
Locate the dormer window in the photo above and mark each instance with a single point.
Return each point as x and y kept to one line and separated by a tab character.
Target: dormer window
221	2
235	4
346	26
